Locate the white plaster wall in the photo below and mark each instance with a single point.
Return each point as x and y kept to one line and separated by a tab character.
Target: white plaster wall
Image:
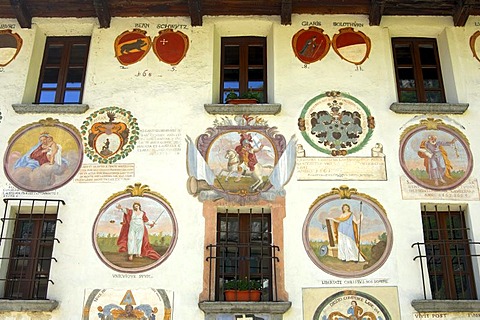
174	98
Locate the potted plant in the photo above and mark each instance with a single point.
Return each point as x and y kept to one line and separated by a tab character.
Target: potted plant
242	290
249	97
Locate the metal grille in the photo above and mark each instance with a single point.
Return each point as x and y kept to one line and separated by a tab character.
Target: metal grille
445	256
27	238
244	251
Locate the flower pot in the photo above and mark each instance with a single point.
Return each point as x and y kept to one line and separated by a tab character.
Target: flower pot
242	295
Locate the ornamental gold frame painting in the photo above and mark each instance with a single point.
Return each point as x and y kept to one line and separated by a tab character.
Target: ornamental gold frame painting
43	155
156	230
347	233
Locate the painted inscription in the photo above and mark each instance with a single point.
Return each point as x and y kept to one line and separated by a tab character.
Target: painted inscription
468	191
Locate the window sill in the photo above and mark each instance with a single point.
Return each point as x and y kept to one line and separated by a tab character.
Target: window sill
27	305
432	108
213	308
259	108
50	108
446	305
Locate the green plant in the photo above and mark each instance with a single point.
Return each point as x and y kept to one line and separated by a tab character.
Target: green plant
252	95
243	284
231	95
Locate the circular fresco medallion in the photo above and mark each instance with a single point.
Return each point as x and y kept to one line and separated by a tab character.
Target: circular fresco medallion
351	304
43	156
109	134
135	230
336	123
347	234
435	155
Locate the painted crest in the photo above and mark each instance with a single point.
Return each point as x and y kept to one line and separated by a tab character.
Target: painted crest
336	123
435	155
10	45
170	46
146	303
240	162
352	46
310	45
135	230
347	233
109	134
43	156
475	45
131	46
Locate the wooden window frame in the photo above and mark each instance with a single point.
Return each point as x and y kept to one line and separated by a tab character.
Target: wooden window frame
439	242
243	66
416	65
63	66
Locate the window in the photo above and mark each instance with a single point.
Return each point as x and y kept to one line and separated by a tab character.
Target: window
244	67
62	74
244	250
417	68
27	236
448	255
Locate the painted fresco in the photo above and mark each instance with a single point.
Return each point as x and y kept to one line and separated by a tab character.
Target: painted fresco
347	233
43	156
145	304
135	230
367	303
336	123
109	134
475	45
310	45
10	45
170	46
246	160
352	46
132	46
435	155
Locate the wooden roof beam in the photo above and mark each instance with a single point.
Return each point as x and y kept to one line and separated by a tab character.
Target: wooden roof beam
22	14
286	14
376	12
103	13
196	15
461	12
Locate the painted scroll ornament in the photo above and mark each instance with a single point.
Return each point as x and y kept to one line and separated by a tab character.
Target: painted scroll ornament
131	46
10	45
170	46
43	155
336	123
352	46
475	45
435	155
128	245
310	45
347	233
109	134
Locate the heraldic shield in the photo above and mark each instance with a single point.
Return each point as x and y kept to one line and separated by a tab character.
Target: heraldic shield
310	45
131	46
10	44
170	46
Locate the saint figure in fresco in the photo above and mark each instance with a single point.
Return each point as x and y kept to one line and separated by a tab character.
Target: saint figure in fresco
45	151
435	158
133	237
310	47
246	151
347	234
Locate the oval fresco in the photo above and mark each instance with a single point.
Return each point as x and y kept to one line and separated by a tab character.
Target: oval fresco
347	234
135	230
435	156
43	156
310	45
336	123
242	161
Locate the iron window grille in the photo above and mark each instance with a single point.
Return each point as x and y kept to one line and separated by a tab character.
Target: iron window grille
27	238
445	257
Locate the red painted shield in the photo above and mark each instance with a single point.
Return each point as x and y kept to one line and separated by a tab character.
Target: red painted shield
170	46
10	44
132	46
352	46
310	45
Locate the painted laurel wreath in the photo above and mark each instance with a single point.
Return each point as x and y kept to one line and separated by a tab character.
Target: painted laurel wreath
128	146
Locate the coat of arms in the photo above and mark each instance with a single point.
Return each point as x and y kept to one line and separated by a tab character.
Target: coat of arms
10	44
170	46
131	46
310	45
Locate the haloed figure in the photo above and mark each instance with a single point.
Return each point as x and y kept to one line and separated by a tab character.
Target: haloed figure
133	237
